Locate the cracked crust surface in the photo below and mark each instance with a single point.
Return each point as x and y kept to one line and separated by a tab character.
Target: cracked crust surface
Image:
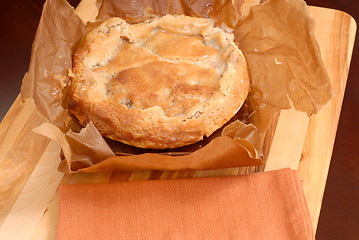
164	83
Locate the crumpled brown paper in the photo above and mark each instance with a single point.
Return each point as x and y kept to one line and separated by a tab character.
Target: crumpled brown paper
284	62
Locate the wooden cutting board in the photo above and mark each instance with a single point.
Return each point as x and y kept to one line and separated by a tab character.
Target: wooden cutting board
28	162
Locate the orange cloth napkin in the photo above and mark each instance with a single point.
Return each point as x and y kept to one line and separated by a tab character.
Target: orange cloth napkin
266	205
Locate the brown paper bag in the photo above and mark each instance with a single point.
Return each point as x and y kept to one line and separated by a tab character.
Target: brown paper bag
284	61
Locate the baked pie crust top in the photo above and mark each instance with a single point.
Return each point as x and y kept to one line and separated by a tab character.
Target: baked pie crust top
164	83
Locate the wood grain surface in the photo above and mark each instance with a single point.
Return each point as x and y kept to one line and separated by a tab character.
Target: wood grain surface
339	216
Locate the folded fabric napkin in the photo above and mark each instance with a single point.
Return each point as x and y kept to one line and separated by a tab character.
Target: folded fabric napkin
266	205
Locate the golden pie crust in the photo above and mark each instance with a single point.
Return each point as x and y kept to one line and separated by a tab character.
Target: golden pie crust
164	83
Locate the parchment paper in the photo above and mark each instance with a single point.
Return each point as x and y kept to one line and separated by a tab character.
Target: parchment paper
284	62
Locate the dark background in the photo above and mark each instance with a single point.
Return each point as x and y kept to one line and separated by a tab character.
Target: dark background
339	217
